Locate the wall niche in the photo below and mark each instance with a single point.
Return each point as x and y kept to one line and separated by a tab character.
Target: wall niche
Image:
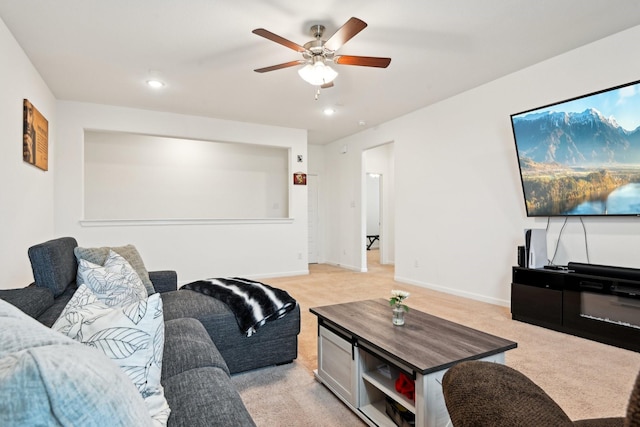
144	177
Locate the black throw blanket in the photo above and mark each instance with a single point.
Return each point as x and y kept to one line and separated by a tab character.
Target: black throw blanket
253	303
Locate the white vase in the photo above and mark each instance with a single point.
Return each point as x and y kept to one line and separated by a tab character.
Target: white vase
398	316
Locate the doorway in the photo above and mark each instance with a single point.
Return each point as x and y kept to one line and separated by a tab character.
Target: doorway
377	232
374	200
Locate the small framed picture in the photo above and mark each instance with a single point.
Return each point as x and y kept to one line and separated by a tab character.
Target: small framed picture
299	178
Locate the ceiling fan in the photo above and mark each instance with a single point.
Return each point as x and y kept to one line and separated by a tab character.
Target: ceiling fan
318	52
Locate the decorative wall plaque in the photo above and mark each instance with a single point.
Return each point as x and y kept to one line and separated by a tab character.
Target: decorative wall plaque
35	137
299	178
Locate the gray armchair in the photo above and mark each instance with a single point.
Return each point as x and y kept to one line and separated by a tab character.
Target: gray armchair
483	394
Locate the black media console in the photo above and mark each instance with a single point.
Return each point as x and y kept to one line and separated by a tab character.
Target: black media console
600	303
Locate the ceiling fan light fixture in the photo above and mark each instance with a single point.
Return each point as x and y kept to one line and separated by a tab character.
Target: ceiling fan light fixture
156	84
317	73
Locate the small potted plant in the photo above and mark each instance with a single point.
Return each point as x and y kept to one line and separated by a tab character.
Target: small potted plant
399	308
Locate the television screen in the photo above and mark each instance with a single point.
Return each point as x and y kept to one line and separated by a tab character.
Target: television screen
581	156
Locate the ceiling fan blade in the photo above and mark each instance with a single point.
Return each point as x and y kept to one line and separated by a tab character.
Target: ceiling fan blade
279	66
345	33
326	85
276	38
363	61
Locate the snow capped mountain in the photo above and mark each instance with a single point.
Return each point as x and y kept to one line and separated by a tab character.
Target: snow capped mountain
536	116
613	122
592	115
588	115
585	138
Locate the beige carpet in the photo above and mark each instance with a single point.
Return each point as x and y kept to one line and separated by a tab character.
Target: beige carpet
587	379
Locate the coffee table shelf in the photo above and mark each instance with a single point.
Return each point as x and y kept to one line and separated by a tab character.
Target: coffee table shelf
376	413
387	386
357	344
371	372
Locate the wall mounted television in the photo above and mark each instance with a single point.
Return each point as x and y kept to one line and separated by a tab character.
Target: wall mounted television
581	156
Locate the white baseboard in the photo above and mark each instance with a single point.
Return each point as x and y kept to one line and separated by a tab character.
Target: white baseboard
347	267
470	295
285	274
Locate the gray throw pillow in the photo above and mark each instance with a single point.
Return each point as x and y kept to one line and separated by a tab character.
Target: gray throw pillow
128	252
47	379
115	283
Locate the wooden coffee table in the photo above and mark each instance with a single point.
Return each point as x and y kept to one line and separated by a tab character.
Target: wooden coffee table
361	354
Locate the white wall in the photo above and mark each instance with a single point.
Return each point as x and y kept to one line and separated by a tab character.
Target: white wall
459	208
196	250
26	192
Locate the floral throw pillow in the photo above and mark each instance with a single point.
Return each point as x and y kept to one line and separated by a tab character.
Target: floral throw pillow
115	283
131	335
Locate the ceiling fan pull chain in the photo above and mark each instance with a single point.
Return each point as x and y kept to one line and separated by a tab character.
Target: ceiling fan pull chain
317	93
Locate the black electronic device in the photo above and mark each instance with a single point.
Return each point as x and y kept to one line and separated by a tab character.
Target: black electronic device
522	256
611	271
556	267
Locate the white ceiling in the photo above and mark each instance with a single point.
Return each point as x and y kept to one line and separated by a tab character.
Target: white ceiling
103	51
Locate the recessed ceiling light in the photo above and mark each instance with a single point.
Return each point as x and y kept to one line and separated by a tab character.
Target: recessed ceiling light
155	83
361	123
329	111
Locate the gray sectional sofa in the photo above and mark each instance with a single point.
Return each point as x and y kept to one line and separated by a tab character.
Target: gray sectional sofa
203	345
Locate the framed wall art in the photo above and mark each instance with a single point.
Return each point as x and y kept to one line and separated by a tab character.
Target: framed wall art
35	136
299	178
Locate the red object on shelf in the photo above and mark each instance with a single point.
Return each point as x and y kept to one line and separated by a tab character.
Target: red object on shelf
406	386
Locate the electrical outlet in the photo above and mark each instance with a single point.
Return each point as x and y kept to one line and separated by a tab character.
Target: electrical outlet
416	264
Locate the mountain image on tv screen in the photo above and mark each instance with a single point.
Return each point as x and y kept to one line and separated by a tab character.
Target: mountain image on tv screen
582	156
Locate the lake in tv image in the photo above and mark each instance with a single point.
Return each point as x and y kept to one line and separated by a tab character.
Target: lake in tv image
582	156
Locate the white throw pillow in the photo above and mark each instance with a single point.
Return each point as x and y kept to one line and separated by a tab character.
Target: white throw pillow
116	283
131	335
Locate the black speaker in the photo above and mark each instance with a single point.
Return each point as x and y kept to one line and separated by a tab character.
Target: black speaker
522	257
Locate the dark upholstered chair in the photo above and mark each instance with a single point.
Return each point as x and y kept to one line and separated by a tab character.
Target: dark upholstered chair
483	394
